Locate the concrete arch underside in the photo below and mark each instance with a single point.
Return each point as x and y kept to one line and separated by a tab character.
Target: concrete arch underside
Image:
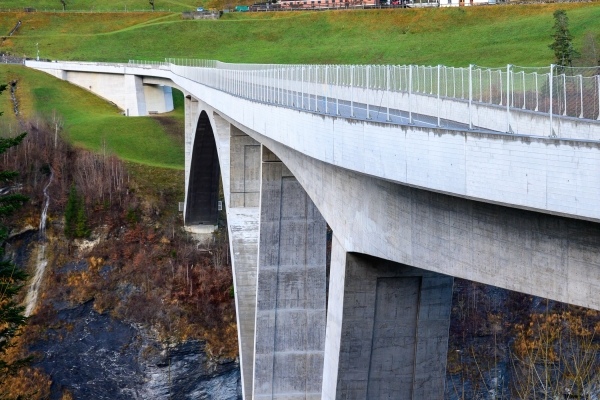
204	174
427	237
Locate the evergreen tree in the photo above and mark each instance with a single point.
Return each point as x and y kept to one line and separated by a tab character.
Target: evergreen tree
81	229
75	215
71	211
12	315
563	40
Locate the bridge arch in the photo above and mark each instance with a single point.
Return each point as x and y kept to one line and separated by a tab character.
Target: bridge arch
203	187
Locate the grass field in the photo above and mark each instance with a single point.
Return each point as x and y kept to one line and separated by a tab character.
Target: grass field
104	5
493	36
490	36
91	121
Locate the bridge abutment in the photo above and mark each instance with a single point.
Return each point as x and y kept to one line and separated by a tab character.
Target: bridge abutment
129	92
291	288
387	329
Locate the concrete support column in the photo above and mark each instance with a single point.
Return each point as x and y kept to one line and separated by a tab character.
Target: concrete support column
191	120
159	98
387	329
135	101
245	170
291	288
243	221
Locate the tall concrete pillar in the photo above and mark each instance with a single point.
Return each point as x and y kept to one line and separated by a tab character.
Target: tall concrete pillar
191	116
387	329
245	170
291	289
243	222
159	98
135	101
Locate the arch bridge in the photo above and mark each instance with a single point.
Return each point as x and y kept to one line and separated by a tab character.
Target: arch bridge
421	173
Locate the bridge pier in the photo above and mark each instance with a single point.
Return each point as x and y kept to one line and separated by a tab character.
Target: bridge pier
387	329
243	221
129	92
291	292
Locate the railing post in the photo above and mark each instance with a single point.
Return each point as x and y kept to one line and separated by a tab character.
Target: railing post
352	90
368	89
524	99
500	76
565	91
337	90
598	82
265	82
302	86
446	81
430	80
480	86
388	94
312	77
551	77
508	130
438	95
410	118
537	93
581	93
326	89
470	96
454	82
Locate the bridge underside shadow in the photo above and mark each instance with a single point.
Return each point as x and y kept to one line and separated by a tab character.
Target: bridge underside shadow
428	238
396	249
203	187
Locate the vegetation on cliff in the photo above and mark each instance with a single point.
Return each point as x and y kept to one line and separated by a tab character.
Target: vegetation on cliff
136	264
12	278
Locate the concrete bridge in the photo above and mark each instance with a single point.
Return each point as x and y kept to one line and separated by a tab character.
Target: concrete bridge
418	184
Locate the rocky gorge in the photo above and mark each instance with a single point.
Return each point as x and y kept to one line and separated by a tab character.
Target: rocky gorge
127	304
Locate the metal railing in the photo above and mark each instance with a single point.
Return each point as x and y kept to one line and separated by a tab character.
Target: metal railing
500	99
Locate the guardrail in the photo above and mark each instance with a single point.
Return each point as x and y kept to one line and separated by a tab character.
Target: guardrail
555	93
554	101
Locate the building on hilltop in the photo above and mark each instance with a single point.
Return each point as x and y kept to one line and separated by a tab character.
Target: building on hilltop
311	4
325	4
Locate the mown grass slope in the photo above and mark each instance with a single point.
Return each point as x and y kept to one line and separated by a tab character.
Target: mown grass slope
494	36
104	5
94	123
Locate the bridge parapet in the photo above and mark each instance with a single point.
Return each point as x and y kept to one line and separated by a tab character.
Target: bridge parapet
553	102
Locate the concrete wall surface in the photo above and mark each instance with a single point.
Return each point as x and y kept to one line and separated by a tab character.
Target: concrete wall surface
291	289
520	250
387	329
159	99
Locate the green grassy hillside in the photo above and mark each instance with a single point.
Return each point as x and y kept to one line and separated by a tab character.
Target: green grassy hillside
90	121
104	5
491	36
482	35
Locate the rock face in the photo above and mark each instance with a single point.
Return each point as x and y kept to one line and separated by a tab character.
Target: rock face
97	357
